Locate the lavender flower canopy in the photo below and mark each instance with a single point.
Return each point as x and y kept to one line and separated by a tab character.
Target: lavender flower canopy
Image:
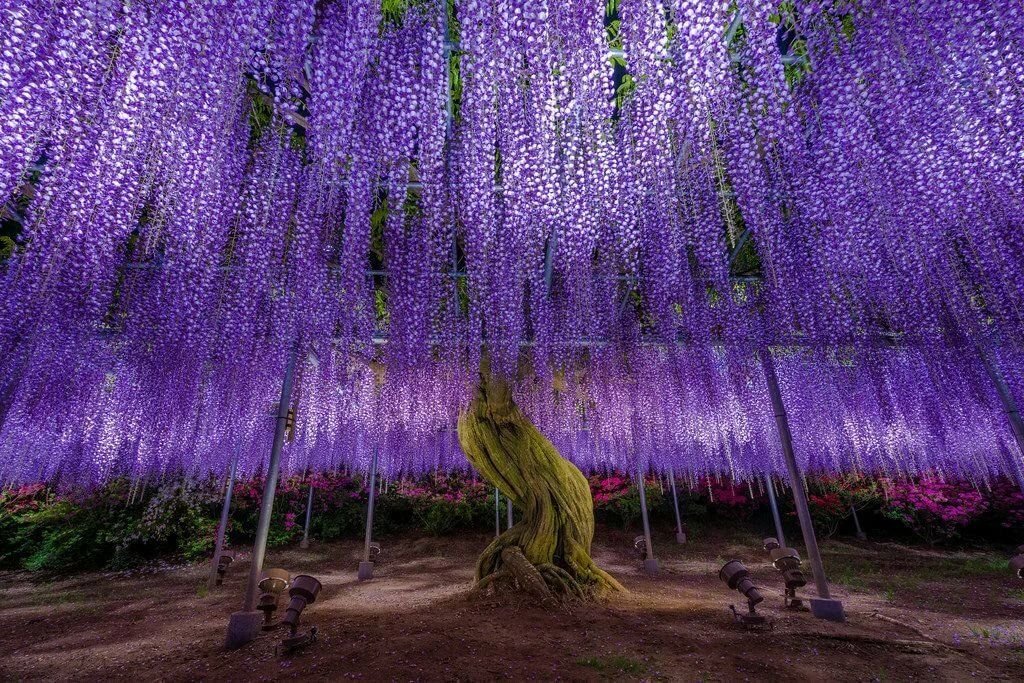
622	202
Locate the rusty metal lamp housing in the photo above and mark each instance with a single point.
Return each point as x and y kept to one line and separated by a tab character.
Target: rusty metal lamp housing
1017	563
787	561
640	547
223	562
737	577
271	585
304	591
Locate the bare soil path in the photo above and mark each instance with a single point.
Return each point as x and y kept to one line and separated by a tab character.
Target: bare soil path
415	621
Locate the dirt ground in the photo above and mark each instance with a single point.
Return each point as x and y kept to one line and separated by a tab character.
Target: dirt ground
960	616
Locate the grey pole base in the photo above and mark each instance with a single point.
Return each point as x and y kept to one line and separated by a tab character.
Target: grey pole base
304	543
829	609
651	566
365	570
681	537
243	627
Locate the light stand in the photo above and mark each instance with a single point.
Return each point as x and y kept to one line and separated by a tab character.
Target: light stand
736	576
271	586
787	561
303	592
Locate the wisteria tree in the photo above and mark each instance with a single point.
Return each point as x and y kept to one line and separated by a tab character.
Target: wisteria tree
548	551
649	192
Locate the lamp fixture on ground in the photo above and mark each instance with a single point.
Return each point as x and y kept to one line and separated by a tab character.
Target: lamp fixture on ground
223	562
1017	563
787	561
271	585
303	591
737	577
650	561
373	551
640	547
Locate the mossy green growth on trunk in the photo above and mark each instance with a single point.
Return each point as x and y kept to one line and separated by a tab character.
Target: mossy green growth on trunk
557	526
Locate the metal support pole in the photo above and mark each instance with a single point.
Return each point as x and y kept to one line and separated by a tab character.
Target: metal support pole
1012	414
856	523
650	563
779	536
680	536
508	513
366	566
309	514
222	529
131	490
497	512
245	625
823	607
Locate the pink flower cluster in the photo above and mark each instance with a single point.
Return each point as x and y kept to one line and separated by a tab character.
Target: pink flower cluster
23	499
950	503
451	489
827	504
934	509
607	488
725	493
1008	504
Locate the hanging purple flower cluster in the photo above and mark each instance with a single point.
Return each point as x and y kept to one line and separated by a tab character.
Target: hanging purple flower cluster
702	413
622	200
889	176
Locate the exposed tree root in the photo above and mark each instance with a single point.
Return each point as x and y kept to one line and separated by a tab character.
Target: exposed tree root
550	547
527	577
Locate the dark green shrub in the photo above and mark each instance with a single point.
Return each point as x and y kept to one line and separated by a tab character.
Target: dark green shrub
442	517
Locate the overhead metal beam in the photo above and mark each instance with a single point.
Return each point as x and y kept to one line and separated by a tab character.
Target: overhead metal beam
740	242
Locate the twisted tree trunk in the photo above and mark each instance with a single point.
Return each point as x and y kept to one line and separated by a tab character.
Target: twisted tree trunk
547	553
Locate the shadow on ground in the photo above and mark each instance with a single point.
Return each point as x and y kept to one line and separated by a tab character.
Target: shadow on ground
416	621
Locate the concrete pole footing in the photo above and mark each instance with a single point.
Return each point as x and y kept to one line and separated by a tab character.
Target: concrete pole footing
829	609
243	627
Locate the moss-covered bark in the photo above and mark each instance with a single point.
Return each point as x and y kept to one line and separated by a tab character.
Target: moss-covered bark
557	526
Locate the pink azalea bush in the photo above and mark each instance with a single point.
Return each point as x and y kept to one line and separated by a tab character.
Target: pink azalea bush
121	525
607	488
338	506
26	498
828	511
617	499
934	510
728	497
832	497
444	504
1007	505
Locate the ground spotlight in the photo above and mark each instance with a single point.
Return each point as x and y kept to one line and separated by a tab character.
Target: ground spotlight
271	585
640	547
787	561
303	591
373	552
1017	563
223	562
736	576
